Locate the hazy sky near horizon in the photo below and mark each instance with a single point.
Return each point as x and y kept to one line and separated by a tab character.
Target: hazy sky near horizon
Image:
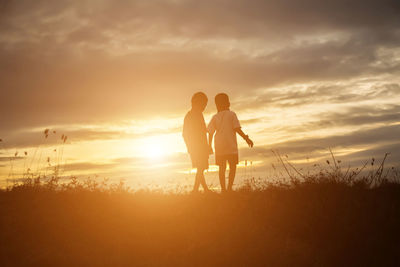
117	77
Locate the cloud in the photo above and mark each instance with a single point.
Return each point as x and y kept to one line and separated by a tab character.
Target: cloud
175	159
382	139
236	19
368	116
322	92
120	90
8	159
89	61
378	153
86	166
74	134
375	136
78	63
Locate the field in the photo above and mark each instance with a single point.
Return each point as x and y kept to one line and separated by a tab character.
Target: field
330	218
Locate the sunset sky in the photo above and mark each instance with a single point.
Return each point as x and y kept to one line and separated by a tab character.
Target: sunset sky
116	77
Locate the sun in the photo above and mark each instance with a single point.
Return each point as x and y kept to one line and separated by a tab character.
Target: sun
155	150
155	147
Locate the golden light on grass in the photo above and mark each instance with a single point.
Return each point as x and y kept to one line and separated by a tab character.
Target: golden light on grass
247	164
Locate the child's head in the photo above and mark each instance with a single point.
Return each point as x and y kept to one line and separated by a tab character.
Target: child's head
199	101
222	102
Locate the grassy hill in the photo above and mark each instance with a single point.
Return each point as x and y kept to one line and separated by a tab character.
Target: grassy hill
332	218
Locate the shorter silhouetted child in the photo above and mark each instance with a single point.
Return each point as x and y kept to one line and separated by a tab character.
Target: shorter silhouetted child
225	125
195	136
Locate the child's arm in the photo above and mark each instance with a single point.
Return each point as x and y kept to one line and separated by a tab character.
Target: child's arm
211	130
210	139
186	133
244	136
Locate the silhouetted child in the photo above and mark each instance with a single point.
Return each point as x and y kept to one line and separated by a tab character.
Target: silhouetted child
195	136
225	125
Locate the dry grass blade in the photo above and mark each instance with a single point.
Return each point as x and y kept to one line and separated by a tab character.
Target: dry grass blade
278	156
333	158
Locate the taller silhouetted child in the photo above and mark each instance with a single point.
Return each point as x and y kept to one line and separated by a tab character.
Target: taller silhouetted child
195	136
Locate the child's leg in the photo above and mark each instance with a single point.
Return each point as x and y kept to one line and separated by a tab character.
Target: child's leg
201	179
222	169
232	173
196	181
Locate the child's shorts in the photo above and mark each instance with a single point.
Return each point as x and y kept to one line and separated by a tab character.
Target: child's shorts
199	160
233	159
